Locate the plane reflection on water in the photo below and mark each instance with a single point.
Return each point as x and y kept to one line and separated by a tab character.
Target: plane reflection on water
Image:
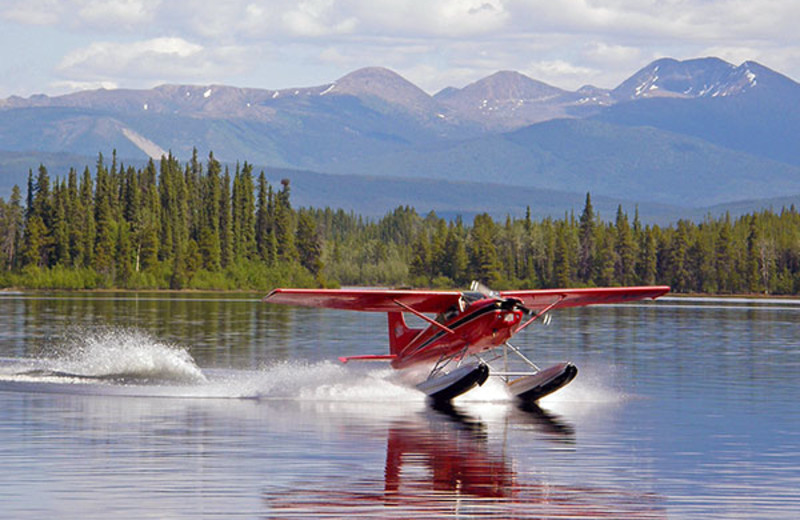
440	462
452	451
455	451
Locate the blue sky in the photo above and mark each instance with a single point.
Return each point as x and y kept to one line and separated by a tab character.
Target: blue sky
59	46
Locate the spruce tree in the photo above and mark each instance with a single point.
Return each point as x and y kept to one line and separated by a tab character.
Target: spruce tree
225	227
88	234
586	237
284	224
60	227
262	218
625	268
209	243
34	242
563	257
105	239
246	213
483	252
309	245
13	222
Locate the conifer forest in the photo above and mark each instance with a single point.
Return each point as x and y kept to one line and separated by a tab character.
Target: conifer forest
203	225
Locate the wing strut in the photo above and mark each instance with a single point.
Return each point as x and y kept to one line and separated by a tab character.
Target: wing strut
542	312
422	316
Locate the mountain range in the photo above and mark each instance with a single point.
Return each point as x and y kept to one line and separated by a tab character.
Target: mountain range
677	138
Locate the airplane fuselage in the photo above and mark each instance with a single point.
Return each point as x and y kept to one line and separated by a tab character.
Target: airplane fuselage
483	325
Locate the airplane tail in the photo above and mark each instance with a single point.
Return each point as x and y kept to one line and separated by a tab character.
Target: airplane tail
400	335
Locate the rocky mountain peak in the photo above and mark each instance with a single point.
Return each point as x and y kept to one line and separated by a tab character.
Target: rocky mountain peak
702	78
668	77
381	83
754	77
506	99
499	88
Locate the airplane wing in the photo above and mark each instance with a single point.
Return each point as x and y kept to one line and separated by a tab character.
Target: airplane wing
377	300
562	298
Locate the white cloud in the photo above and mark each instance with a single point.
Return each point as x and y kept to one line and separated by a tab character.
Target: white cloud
71	86
33	12
117	55
466	17
103	15
432	79
315	18
425	18
610	54
558	68
125	13
435	42
148	61
268	19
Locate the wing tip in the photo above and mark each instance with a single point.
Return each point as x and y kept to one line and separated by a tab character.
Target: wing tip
272	293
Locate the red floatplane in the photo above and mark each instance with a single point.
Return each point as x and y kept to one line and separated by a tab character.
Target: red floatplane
469	335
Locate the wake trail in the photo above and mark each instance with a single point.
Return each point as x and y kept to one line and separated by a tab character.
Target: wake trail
125	362
117	361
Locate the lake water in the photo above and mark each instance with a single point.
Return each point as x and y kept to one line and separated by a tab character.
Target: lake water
217	406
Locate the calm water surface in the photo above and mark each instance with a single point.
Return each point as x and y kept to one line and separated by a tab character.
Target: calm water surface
209	406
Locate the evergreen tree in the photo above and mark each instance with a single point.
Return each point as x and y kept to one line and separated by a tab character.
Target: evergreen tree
309	245
484	263
547	261
587	242
34	248
625	268
236	215
284	224
420	261
225	228
678	257
263	224
105	239
89	231
174	210
438	252
123	256
29	195
12	224
726	274
75	217
195	200
649	258
60	227
244	243
41	200
752	274
146	243
606	257
272	248
209	243
563	258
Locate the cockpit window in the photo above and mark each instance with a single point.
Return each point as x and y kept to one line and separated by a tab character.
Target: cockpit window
471	297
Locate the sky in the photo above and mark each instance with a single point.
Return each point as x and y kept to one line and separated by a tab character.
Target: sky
60	46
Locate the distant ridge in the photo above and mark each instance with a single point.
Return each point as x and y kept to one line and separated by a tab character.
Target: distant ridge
506	99
383	84
692	133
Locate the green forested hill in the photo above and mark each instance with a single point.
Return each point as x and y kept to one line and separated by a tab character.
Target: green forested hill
165	225
206	226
